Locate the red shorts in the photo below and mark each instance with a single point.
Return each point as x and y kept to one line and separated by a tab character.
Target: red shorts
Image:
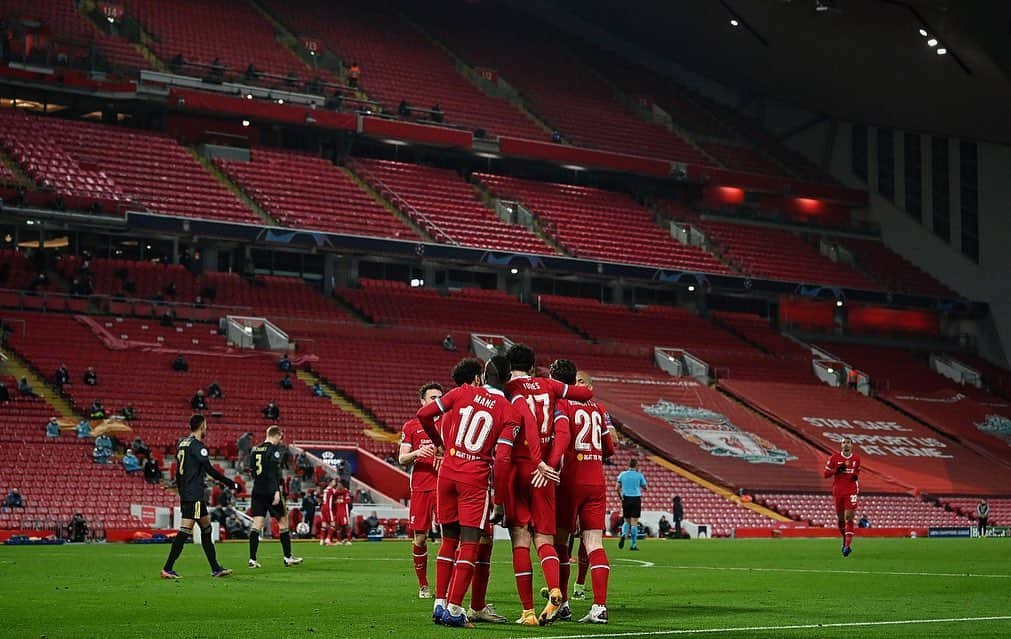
326	517
529	506
422	510
462	503
845	501
583	505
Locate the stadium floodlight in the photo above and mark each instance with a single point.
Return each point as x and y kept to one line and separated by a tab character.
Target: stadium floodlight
932	42
691	288
838	302
417	283
923	32
245	123
831	371
942	51
514	270
734	22
280	100
249	96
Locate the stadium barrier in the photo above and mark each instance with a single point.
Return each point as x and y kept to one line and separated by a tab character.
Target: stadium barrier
821	532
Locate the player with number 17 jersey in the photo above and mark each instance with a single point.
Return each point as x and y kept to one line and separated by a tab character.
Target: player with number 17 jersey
475	421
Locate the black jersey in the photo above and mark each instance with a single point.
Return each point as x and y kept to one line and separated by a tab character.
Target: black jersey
194	465
265	463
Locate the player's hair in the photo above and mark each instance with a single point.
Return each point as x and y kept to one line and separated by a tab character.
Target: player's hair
427	386
496	372
632	463
196	421
847	440
563	370
273	431
466	370
521	357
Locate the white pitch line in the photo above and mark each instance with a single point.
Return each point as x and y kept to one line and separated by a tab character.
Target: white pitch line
880	573
642	564
807	626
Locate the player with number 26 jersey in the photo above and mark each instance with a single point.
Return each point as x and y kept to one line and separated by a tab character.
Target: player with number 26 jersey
582	493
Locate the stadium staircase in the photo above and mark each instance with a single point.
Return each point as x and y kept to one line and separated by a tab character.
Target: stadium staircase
534	224
375	429
18	368
394	210
225	181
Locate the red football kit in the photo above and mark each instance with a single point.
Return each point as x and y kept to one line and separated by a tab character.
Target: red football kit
342	507
845	485
476	422
327	508
424	477
582	495
536	506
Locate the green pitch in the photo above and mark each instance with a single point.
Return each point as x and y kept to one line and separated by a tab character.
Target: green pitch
669	589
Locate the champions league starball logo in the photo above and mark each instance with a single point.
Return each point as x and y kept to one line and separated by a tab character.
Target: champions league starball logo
997	426
715	434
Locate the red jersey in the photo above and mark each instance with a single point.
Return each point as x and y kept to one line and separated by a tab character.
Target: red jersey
541	395
328	499
846	480
590	443
342	504
423	471
476	422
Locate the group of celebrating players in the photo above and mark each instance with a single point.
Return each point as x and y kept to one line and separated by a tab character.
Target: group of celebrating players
505	446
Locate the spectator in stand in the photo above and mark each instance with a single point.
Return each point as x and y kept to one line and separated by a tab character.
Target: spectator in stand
285	382
318	390
91	377
5	395
14	499
140	447
176	63
225	498
77	529
62	376
664	528
104	441
864	522
214	391
272	412
244	445
130	462
100	455
436	114
304	466
310	504
25	388
449	343
53	427
168	319
335	101
284	364
354	75
556	137
234	527
982	517
365	497
294	486
179	364
97	410
152	473
852	378
199	402
83	429
679	514
404	110
371	523
344	472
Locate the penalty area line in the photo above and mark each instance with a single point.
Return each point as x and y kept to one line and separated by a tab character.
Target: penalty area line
805	626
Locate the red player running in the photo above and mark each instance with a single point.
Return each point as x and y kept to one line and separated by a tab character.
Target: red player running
582	495
476	421
418	452
531	506
844	468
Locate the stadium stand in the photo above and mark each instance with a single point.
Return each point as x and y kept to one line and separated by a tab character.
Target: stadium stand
446	207
893	271
555	85
230	31
621	228
1000	508
399	63
303	191
112	164
883	511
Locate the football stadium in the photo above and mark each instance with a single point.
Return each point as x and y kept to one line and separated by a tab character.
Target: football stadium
522	319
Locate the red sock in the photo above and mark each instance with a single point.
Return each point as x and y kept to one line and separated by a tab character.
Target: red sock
549	564
463	572
330	533
444	566
524	572
564	569
584	565
420	554
848	536
482	571
842	529
323	533
600	571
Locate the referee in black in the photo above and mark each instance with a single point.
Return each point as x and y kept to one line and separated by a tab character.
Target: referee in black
266	462
194	465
